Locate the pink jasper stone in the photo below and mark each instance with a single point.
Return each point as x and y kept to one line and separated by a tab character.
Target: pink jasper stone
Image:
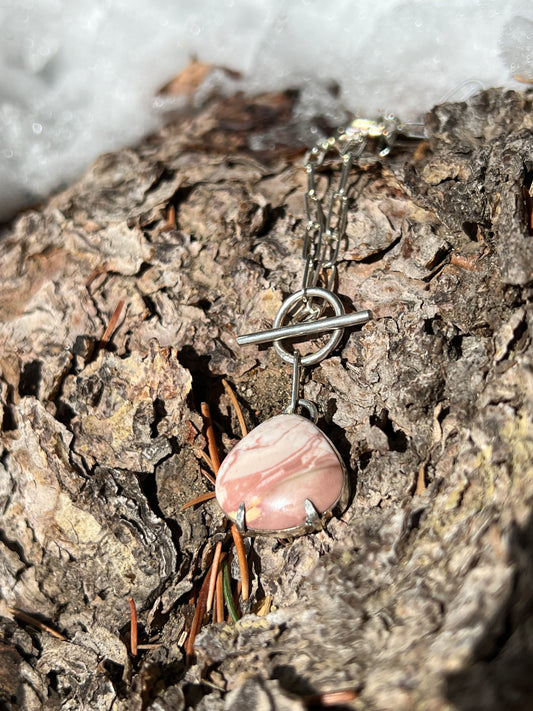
274	469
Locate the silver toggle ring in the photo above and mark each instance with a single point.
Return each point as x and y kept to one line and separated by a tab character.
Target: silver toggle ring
334	338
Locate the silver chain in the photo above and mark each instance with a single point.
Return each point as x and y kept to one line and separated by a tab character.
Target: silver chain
324	234
325	230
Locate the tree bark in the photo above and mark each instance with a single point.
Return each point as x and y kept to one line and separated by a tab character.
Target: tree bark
420	595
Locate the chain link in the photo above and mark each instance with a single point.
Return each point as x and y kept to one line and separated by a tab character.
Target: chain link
326	228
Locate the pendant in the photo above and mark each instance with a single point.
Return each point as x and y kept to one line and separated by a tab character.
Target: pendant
284	478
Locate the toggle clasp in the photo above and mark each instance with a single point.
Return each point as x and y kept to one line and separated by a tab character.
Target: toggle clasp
281	332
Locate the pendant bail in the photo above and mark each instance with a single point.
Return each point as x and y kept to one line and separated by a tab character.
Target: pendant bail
296	400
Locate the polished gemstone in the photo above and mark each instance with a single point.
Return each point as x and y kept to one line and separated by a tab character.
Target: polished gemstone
274	469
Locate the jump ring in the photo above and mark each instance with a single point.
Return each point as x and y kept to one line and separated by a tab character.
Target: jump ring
309	406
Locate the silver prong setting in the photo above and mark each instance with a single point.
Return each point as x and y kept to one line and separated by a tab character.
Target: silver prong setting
240	518
312	517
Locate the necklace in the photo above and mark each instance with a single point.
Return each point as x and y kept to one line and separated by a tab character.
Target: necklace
285	477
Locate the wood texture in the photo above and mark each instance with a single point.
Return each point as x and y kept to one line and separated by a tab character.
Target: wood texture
420	597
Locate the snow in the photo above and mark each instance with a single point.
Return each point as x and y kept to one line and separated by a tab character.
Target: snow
79	77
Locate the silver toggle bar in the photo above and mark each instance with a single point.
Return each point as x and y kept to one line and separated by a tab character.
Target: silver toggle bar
306	328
